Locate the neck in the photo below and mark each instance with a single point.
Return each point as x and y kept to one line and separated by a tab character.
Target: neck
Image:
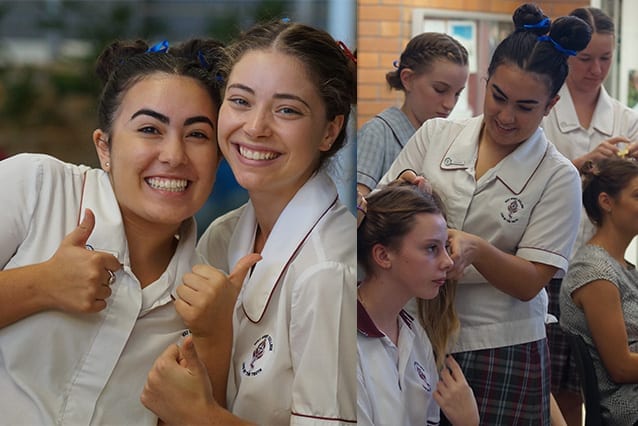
613	240
580	97
150	250
267	211
489	154
411	117
383	303
584	104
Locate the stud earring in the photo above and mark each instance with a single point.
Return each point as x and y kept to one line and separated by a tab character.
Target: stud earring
107	164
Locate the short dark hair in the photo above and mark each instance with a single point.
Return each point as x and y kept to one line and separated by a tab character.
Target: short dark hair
124	63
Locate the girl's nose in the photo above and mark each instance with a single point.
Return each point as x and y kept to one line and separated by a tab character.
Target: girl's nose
258	123
172	151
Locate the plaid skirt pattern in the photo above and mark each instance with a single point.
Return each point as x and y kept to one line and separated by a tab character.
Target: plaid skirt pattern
511	384
564	374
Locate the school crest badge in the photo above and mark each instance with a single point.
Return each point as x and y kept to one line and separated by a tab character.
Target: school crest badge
262	350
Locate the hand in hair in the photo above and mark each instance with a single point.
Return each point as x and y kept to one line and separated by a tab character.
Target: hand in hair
420	182
464	248
607	149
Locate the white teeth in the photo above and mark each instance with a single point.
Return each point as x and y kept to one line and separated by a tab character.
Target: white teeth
164	184
257	155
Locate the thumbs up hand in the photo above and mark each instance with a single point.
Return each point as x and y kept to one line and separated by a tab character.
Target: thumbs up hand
177	388
78	280
207	296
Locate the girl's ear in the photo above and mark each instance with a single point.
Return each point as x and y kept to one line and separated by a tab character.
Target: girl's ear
551	104
103	149
605	202
406	76
332	131
381	256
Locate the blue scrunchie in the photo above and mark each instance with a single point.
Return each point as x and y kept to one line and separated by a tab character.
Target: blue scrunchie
557	46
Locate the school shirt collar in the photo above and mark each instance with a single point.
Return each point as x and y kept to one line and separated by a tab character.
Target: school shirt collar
366	326
109	236
514	171
602	120
293	226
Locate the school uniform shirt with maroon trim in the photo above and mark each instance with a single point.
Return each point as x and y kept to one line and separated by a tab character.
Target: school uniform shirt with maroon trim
527	205
80	369
395	382
294	353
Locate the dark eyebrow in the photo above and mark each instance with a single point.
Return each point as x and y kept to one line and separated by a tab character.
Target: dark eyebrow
277	95
164	119
198	119
161	117
521	101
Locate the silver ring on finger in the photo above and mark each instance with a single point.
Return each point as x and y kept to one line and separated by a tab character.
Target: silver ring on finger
111	277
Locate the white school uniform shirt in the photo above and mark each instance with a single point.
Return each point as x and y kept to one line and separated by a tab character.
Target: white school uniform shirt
294	350
395	382
527	205
79	369
611	118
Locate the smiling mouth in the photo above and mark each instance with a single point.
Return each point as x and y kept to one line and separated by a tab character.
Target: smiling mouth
165	184
257	155
505	129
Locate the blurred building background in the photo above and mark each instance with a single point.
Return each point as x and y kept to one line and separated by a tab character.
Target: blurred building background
48	89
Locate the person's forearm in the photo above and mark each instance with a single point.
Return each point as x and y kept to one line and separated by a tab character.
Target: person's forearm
21	294
215	354
511	274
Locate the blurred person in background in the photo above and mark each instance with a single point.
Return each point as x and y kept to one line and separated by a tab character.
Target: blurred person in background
585	124
432	73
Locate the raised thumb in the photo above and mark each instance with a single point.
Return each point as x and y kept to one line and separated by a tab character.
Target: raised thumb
242	267
188	354
80	235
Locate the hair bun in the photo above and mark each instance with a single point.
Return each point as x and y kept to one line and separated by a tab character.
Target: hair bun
571	33
529	17
114	54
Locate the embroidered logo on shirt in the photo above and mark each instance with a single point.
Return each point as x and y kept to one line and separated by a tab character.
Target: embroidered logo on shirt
262	349
424	378
514	208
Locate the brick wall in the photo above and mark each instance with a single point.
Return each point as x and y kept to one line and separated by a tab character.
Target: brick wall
384	28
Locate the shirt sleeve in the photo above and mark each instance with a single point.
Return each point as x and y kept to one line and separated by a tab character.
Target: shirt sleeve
371	141
323	345
553	227
21	177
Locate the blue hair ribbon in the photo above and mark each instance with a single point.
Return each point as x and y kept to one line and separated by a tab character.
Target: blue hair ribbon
285	20
160	47
396	64
557	46
202	60
545	23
